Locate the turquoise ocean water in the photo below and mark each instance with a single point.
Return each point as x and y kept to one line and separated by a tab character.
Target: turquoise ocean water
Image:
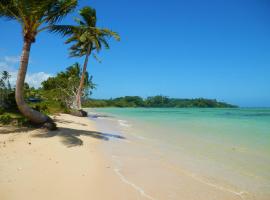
227	147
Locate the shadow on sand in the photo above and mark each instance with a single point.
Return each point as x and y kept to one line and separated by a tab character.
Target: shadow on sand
11	129
70	137
68	122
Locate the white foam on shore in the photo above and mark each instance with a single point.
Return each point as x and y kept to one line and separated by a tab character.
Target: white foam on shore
126	181
123	123
140	190
240	194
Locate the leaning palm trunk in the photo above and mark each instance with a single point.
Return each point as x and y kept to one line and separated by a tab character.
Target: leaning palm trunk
79	93
33	115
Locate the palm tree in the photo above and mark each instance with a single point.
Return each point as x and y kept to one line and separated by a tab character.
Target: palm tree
34	16
86	37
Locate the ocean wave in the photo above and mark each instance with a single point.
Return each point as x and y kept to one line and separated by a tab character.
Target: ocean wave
123	123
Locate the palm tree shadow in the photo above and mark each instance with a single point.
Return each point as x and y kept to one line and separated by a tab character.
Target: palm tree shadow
68	122
11	129
70	137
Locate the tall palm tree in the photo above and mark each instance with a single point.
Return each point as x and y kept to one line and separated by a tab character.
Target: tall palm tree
34	16
86	38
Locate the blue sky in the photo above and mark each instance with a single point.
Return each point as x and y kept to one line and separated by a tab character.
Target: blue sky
191	48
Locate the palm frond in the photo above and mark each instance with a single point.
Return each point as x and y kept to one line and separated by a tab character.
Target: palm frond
104	42
8	10
109	33
88	15
38	15
59	9
86	34
79	21
97	58
62	29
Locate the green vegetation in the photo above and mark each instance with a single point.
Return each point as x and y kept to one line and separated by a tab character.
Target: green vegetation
57	95
156	101
63	88
7	93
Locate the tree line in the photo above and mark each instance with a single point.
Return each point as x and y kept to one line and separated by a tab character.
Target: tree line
58	94
158	101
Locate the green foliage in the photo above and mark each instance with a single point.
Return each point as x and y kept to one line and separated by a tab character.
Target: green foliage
63	87
85	36
95	103
2	110
31	92
57	94
5	119
41	108
36	15
49	106
14	118
7	93
158	101
22	121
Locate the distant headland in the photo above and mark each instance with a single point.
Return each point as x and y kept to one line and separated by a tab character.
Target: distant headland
158	101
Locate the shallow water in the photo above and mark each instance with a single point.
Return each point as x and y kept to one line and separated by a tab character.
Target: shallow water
224	148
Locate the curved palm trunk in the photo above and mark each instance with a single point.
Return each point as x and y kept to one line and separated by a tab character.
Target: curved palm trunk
79	92
28	112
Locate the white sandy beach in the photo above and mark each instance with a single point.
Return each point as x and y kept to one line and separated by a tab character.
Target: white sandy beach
58	167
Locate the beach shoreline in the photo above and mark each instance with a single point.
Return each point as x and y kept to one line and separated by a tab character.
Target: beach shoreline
138	164
168	154
91	158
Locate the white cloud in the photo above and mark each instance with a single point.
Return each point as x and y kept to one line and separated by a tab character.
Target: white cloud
4	66
33	79
12	59
7	63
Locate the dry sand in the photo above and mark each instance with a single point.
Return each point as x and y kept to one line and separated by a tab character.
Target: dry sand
64	164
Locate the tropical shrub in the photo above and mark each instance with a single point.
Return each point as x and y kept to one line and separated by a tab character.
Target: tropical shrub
5	119
64	86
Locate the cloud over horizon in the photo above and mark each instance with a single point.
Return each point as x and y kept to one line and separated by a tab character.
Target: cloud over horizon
10	63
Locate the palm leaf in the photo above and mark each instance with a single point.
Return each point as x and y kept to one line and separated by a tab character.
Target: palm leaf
33	14
8	10
62	29
59	10
86	34
88	15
